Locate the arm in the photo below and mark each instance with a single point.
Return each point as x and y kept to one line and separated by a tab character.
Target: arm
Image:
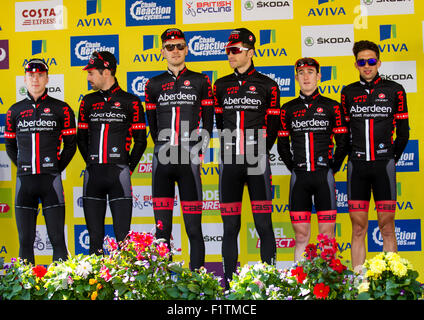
272	117
151	112
402	124
207	112
341	137
82	132
10	138
69	138
219	119
283	142
138	128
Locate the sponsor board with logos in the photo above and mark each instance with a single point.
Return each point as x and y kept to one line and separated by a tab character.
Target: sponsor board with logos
69	31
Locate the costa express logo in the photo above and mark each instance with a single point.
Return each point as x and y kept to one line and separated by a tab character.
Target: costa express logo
210	194
5	203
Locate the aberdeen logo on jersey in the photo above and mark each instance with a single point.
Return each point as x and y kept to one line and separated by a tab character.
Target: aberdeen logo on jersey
83	46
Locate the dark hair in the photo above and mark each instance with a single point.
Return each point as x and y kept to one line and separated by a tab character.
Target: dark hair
112	71
365	45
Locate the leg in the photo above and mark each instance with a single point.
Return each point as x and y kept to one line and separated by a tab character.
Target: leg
55	224
230	196
325	202
302	233
359	221
190	188
386	223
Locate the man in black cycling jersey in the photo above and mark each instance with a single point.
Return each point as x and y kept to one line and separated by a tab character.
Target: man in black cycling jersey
35	130
247	109
308	124
177	101
375	108
111	138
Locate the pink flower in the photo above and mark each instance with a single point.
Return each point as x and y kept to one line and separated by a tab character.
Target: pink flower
159	225
105	274
162	249
112	243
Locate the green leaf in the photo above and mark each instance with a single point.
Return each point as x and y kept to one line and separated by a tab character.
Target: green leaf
193	287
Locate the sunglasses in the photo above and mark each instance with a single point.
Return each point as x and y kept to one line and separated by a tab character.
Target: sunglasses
171	47
363	62
235	50
36	66
306	62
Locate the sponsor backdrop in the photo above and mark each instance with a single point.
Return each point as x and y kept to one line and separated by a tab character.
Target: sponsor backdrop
65	32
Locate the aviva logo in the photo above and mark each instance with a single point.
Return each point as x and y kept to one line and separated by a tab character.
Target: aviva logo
324	1
39	46
212	75
266	36
387	31
94	6
328	73
150	42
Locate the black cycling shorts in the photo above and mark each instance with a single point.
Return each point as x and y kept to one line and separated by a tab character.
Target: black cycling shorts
112	180
44	188
378	177
312	187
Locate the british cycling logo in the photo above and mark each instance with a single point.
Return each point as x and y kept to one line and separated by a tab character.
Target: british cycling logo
408	235
83	46
141	13
208	11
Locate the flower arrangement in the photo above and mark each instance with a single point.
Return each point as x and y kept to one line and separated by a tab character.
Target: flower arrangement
389	277
319	275
138	268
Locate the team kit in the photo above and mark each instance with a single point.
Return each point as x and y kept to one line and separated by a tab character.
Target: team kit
314	135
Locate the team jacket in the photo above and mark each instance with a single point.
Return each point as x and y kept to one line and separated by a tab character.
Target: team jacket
246	101
108	121
311	122
34	134
373	111
176	106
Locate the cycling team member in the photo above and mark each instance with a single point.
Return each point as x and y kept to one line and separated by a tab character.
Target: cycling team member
308	124
109	120
374	108
247	109
176	102
35	129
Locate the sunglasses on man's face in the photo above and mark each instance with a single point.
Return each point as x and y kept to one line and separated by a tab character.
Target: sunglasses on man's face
363	62
235	50
171	47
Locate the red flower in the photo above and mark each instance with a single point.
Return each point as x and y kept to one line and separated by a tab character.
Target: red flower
299	274
311	251
162	249
321	291
328	254
159	225
337	266
39	271
105	274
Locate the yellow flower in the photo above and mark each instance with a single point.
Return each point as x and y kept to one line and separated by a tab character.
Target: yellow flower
92	281
398	268
392	256
94	295
377	266
99	286
363	287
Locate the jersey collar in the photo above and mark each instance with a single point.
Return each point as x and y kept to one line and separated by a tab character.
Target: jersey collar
372	83
42	98
310	98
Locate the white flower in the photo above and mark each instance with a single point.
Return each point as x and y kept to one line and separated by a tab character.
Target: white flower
83	269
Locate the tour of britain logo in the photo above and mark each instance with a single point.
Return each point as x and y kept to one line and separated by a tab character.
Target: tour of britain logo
153	12
83	46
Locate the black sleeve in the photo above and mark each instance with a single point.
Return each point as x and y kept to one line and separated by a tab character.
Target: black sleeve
151	111
10	137
273	116
82	131
207	112
138	128
219	119
68	137
283	142
402	124
341	137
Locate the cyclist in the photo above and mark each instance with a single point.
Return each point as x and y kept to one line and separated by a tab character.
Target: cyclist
375	109
35	129
308	125
177	101
247	108
111	139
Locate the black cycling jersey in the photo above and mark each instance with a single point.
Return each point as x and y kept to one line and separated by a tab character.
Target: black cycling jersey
310	122
373	111
247	101
34	134
108	121
172	101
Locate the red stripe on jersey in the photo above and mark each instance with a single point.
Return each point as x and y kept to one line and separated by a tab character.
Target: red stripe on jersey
105	136
311	151
372	154
177	125
37	151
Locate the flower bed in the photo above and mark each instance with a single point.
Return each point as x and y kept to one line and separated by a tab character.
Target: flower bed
141	268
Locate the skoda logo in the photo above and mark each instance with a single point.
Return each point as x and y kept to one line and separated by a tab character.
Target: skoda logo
309	41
